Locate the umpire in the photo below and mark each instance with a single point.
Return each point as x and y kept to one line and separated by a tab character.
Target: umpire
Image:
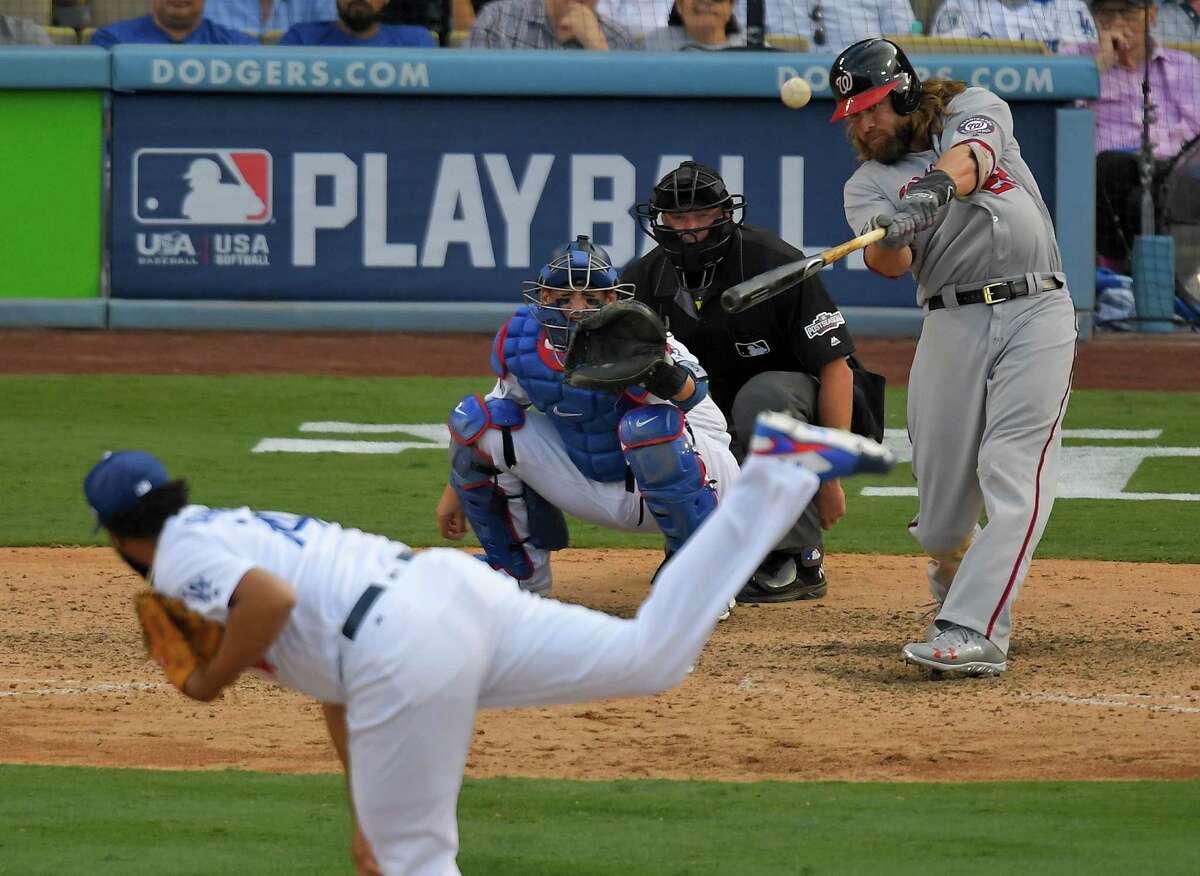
792	353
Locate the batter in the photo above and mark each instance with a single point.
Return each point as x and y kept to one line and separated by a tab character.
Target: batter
942	172
403	649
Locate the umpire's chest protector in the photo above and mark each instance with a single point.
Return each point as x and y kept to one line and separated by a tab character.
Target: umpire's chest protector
586	419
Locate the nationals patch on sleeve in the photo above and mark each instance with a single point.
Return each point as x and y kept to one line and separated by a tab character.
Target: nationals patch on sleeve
977	125
824	322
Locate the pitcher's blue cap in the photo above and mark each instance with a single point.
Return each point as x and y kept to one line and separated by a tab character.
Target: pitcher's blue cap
118	481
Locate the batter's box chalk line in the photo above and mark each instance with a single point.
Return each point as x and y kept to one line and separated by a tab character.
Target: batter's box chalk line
1092	471
1151	702
434	436
107	687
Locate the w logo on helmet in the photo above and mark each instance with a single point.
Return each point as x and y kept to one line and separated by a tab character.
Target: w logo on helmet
869	71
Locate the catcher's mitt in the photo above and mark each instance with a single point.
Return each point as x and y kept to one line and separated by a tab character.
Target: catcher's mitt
176	638
619	345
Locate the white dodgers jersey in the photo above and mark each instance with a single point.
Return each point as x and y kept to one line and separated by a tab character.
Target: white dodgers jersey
203	553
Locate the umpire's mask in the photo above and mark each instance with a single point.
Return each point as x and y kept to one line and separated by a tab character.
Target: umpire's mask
691	215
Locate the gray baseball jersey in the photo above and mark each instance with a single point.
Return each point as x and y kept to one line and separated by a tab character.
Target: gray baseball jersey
1001	230
989	384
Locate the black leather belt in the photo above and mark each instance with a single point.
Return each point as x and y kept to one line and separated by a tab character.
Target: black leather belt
355	618
995	291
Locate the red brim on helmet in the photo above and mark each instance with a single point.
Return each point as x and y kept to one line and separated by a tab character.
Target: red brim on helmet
864	100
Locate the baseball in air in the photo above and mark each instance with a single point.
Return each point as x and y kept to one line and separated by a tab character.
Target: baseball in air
795	93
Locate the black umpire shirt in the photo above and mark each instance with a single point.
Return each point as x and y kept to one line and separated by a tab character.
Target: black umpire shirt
798	330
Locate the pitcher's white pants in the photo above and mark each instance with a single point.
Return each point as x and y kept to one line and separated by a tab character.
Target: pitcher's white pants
451	636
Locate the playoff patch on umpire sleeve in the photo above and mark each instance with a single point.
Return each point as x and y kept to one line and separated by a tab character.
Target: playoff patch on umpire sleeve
824	322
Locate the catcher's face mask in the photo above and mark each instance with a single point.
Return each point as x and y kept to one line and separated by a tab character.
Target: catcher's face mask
574	284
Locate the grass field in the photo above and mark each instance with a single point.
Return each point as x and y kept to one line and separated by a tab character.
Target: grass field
238	823
206	427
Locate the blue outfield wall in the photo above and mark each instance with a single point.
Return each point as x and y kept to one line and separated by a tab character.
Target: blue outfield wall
427	177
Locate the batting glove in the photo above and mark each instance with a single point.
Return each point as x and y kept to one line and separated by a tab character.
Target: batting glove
901	229
924	198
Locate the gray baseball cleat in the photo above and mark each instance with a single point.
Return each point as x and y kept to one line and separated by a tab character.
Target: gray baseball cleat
958	650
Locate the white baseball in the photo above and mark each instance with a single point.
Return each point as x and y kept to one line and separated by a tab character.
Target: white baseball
795	93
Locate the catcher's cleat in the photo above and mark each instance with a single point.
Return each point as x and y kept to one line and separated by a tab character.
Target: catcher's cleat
958	651
827	453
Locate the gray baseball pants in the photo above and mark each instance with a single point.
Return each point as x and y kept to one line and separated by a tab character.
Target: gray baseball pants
986	399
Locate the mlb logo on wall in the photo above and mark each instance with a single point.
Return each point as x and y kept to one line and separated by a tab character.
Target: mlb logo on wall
202	186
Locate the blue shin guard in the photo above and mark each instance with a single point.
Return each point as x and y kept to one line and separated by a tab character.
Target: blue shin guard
668	472
485	504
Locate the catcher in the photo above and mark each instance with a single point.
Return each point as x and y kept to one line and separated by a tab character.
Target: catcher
596	412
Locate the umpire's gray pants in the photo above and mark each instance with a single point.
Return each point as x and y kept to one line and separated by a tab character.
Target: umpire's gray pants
794	393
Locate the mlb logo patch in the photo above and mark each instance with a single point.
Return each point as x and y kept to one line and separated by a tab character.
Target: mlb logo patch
202	186
753	348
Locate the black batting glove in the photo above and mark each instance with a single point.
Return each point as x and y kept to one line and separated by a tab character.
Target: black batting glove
924	198
901	229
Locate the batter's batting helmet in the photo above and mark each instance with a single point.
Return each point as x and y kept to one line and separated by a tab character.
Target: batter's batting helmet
867	72
579	267
694	252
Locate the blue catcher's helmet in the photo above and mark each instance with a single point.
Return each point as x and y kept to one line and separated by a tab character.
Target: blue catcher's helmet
580	268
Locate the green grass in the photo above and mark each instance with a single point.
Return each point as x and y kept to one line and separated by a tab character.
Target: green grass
53	428
70	820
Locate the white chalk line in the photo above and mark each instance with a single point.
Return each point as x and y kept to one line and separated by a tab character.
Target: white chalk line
108	687
1116	701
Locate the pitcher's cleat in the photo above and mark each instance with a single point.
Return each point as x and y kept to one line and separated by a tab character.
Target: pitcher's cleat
958	651
827	453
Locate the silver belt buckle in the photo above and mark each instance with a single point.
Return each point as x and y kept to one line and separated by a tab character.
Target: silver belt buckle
987	293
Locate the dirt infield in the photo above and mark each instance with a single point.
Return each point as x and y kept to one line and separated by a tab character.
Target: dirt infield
1165	362
1102	685
1103	680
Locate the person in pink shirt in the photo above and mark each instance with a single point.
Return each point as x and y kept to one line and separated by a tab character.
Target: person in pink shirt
1175	94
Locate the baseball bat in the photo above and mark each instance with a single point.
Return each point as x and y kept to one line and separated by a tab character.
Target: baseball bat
770	283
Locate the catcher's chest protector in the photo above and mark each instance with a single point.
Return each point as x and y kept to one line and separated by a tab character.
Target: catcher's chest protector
586	419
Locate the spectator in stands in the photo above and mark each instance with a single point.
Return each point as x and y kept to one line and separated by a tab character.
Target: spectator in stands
1175	92
357	25
1052	22
261	17
170	21
1178	21
21	32
831	24
463	14
697	24
834	24
546	24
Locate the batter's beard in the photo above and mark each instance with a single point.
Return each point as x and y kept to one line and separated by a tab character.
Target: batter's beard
887	150
357	15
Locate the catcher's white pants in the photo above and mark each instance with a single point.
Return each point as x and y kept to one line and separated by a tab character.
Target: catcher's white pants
451	636
543	464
